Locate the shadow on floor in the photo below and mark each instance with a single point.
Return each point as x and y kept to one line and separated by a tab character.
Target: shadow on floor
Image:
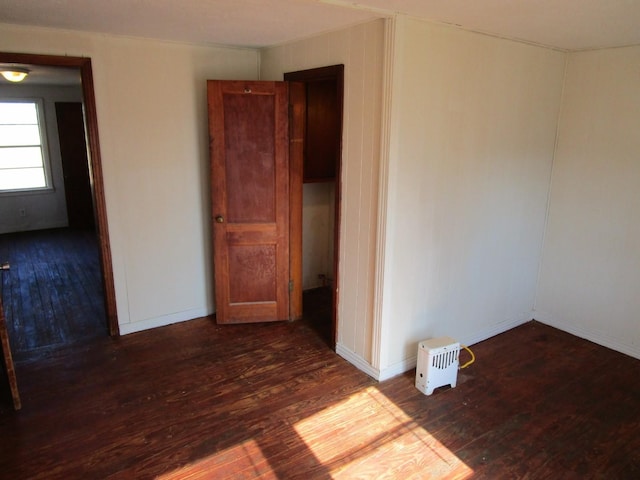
317	311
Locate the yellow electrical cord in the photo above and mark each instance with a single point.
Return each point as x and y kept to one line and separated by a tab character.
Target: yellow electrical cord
473	357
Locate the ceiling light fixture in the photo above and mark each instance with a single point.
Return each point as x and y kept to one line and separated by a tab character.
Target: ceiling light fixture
14	74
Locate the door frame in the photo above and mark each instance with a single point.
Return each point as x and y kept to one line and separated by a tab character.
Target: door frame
335	73
95	166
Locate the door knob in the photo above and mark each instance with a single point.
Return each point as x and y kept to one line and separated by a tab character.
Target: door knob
220	219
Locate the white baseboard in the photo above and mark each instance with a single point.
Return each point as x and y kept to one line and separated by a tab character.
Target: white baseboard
398	368
410	363
494	330
357	361
594	336
47	225
127	328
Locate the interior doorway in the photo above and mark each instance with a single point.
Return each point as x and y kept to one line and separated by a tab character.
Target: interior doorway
91	207
321	194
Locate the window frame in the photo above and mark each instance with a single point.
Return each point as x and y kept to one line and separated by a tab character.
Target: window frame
44	147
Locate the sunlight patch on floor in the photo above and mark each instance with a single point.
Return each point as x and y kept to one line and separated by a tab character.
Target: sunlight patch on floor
244	460
366	436
389	445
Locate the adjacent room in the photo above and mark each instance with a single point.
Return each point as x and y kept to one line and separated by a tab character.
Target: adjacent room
481	183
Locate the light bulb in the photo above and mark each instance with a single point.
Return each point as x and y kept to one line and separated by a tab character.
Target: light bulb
15	74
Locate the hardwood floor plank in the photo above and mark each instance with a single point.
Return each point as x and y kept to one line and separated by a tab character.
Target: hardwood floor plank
197	400
53	292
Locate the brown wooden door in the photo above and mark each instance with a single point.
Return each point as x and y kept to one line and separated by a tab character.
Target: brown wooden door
75	165
248	129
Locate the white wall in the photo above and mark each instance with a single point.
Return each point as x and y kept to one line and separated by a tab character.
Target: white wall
43	209
472	139
318	207
360	49
591	264
152	119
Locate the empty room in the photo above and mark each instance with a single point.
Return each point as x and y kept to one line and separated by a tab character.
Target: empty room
404	171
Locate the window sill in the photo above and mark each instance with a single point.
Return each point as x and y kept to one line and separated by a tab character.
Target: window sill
30	191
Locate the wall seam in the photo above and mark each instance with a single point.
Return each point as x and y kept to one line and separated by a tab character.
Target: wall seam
383	190
549	190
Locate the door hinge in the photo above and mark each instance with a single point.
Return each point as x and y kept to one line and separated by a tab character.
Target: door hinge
291	285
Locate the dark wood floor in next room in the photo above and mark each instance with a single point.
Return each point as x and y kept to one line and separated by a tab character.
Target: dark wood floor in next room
196	400
53	293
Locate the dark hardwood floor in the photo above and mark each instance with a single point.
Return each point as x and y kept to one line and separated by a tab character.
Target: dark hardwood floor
53	293
198	401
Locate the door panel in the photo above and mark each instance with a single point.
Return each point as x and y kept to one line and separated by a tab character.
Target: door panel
248	127
249	142
251	271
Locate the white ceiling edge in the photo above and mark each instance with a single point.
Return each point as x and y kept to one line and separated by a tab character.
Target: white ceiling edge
231	23
565	25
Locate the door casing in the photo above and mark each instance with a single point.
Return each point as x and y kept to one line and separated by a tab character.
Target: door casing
333	73
95	163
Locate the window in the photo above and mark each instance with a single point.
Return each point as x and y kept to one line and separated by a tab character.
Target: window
22	150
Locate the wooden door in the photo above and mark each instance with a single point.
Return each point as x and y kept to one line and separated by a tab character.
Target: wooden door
248	130
75	165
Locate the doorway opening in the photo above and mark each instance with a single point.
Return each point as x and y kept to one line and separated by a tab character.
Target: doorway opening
321	194
84	238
